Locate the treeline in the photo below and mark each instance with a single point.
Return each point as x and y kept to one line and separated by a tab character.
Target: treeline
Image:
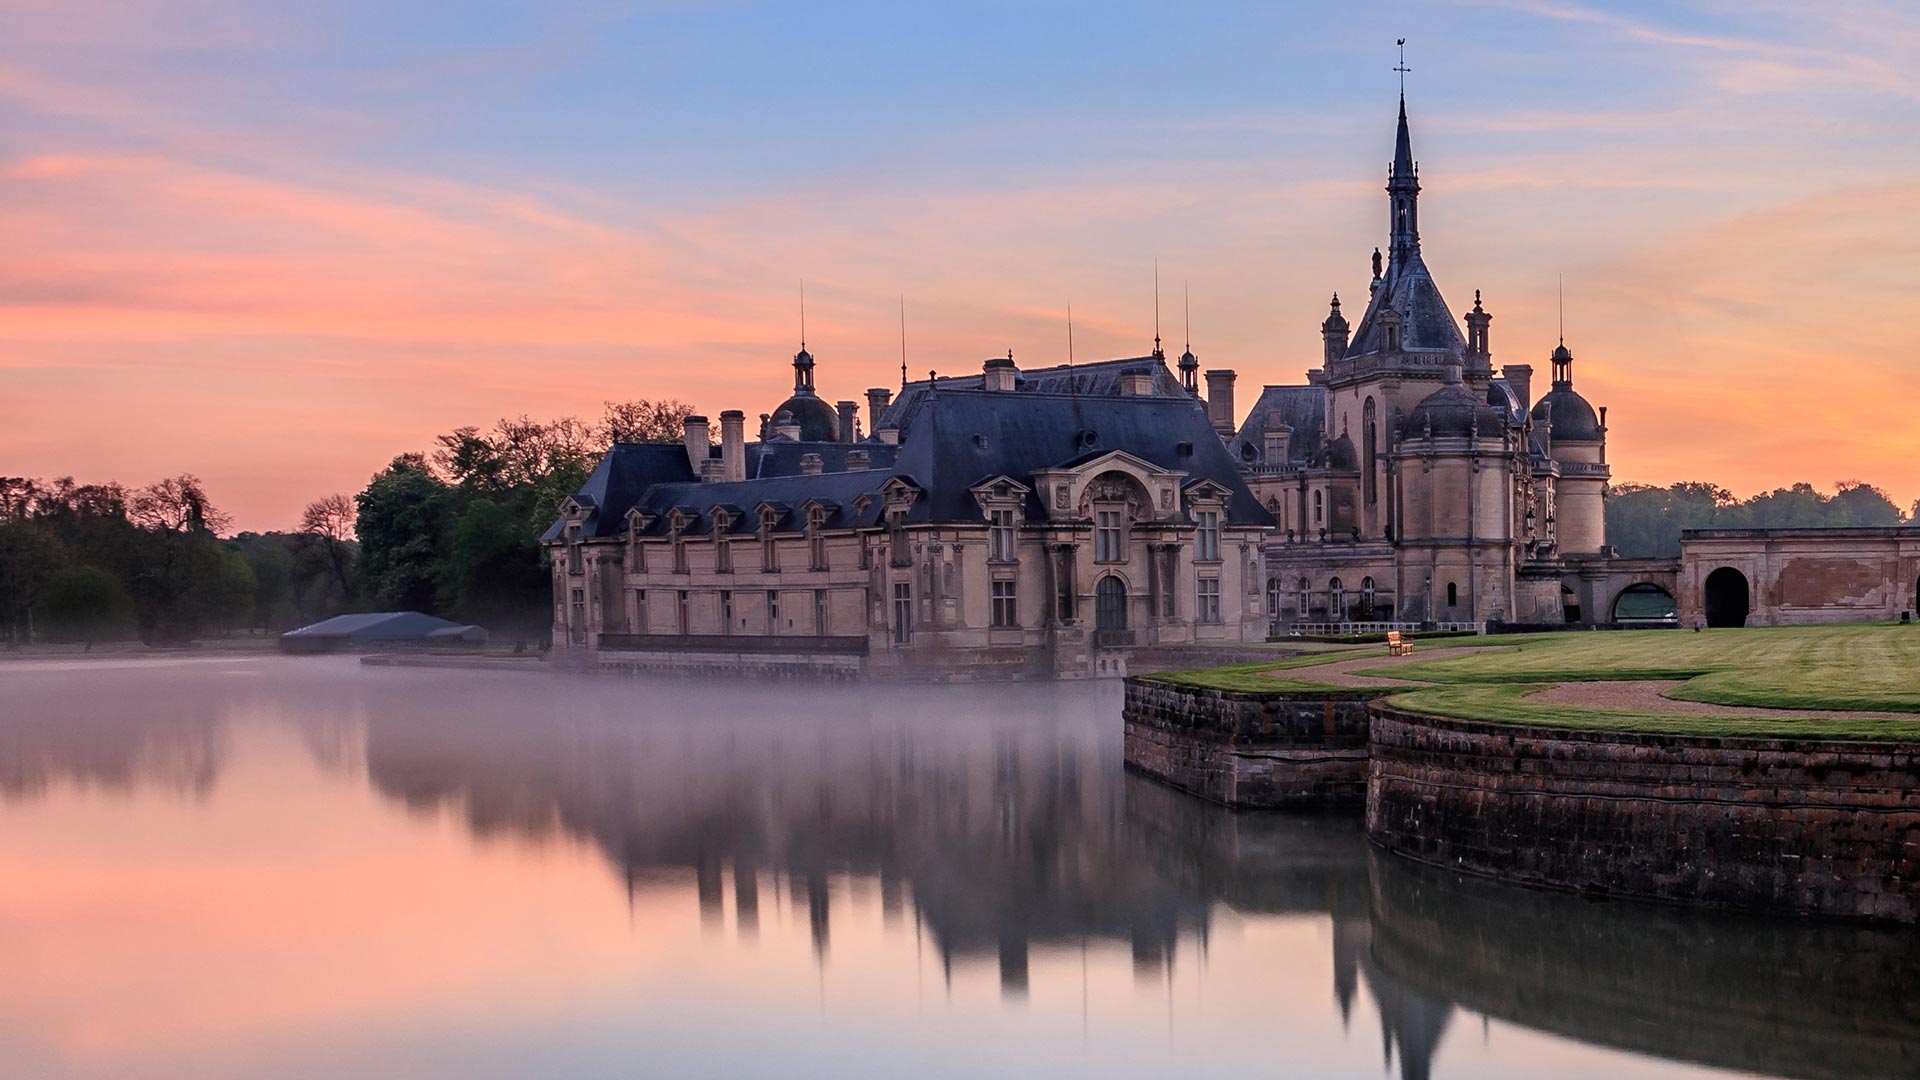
454	533
1645	521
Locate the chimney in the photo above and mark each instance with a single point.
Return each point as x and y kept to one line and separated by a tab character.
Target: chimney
712	471
1220	400
848	410
877	399
888	435
733	445
1279	440
857	461
786	427
697	444
1520	377
999	373
809	464
1136	383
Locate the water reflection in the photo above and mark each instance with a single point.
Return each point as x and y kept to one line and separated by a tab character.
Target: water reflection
992	825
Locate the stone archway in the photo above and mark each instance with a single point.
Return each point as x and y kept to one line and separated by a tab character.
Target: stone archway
1728	598
1644	602
1110	604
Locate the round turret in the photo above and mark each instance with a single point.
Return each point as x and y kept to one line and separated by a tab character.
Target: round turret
1453	412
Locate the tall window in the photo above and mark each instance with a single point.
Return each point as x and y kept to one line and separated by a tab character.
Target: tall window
820	612
1000	535
1366	598
816	539
722	554
1107	546
576	561
769	547
1370	429
1336	599
773	611
897	553
902	613
1209	600
1318	508
1306	597
679	551
1453	594
1274	593
579	601
686	616
640	612
1208	547
726	611
637	556
1006	609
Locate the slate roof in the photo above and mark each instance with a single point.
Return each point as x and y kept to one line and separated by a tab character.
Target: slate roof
374	626
959	438
818	421
781	457
1426	323
622	475
1304	408
742	497
1100	378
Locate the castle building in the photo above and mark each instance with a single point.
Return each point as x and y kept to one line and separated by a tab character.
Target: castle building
1412	483
1019	523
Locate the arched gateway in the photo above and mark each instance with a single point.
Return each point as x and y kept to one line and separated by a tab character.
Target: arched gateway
1727	597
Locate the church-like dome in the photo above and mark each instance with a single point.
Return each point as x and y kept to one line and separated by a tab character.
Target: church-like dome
818	421
1342	455
1573	419
1453	412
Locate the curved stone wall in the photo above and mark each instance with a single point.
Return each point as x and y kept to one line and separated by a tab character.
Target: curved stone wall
1250	750
1822	827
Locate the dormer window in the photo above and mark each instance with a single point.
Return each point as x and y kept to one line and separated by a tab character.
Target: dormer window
1000	526
576	559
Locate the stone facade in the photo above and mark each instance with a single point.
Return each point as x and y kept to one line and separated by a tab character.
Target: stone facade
1817	827
1791	577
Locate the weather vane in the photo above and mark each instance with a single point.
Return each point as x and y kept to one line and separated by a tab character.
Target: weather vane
1403	68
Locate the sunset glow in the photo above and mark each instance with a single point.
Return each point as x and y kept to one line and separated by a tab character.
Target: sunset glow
276	248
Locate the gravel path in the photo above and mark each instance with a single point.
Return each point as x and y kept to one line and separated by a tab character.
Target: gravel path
1649	695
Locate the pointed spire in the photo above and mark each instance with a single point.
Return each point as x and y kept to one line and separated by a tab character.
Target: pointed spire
1403	144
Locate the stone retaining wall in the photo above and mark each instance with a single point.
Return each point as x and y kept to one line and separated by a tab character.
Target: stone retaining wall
1822	827
1250	750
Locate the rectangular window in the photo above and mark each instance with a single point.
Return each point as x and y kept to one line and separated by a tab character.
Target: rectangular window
640	613
820	612
1063	595
686	622
636	557
722	555
902	613
769	553
679	555
1106	536
817	549
1171	562
576	561
1209	600
1006	610
773	611
897	553
726	611
1207	548
1000	536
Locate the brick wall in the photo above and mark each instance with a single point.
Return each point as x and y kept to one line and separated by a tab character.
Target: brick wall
1249	750
1808	826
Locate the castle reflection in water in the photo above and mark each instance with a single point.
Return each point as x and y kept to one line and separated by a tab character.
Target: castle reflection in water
1013	829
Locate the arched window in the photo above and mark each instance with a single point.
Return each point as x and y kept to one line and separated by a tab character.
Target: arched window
1306	597
1274	593
1366	598
1453	594
1336	600
1368	458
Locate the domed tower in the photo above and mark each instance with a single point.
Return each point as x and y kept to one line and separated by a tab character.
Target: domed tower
1454	461
1577	442
817	419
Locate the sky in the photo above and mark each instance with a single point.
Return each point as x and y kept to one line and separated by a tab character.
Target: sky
274	245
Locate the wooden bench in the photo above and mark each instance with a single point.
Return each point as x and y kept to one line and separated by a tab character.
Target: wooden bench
1398	646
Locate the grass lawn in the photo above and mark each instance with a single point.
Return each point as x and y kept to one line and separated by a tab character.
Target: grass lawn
1254	678
1860	666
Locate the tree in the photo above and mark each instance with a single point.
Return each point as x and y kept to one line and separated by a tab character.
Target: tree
644	421
181	577
402	522
29	558
327	528
492	571
1861	503
84	603
176	505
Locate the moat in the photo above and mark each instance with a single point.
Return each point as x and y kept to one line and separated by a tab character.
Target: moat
275	867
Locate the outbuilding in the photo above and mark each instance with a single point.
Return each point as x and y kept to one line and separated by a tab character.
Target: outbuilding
379	630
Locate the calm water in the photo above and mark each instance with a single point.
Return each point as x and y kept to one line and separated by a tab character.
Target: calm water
303	868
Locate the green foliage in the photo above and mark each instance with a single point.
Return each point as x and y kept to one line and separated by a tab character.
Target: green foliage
492	570
403	521
1510	703
1257	677
30	556
1645	521
85	603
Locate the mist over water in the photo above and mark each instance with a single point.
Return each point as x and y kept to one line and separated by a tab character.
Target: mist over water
274	867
